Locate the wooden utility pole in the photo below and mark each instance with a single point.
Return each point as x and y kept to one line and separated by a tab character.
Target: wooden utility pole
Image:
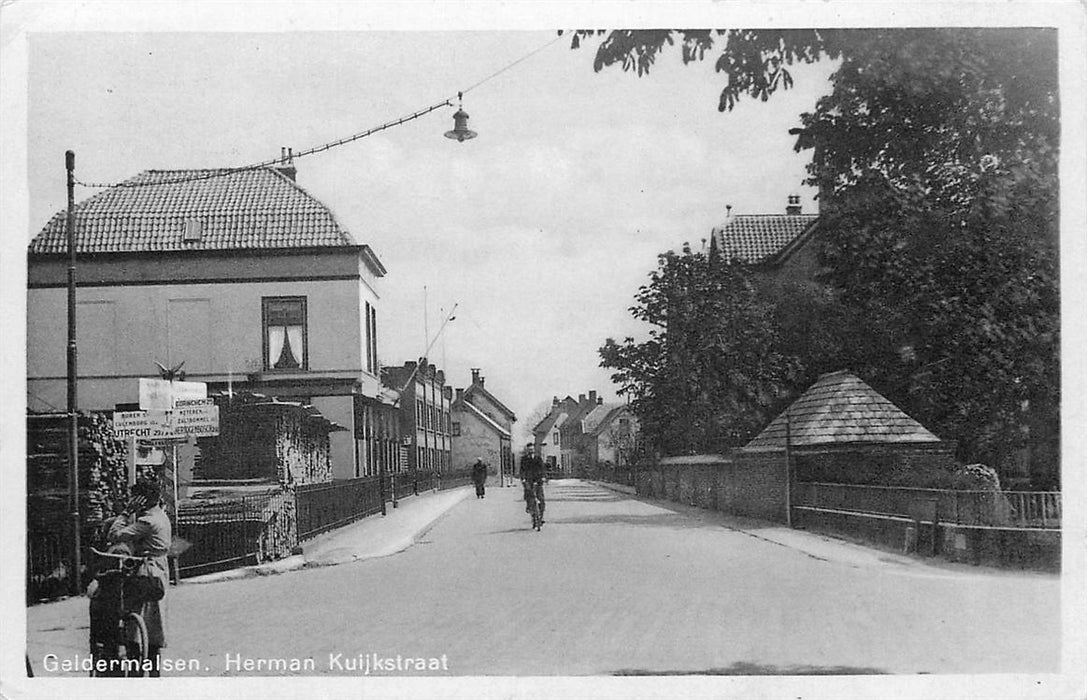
75	583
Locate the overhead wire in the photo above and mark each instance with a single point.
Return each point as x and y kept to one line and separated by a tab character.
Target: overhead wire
289	157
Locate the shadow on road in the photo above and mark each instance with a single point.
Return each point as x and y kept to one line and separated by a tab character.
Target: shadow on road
656	520
526	528
584	497
743	668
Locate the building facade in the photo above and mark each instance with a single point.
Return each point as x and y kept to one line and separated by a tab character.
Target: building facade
482	429
547	434
611	435
424	415
242	276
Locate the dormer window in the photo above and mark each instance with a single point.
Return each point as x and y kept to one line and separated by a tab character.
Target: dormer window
193	230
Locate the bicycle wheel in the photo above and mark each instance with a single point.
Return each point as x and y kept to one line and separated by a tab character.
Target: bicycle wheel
535	514
136	639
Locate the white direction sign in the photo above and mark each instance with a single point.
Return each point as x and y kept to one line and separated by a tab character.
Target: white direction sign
198	417
162	395
144	425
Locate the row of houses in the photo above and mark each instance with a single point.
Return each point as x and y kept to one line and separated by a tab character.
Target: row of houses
255	288
585	436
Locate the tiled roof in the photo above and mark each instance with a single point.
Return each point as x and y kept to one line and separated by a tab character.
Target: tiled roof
485	419
248	209
757	238
841	409
599	418
478	389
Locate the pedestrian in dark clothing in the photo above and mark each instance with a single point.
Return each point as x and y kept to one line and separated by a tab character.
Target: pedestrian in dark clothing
479	477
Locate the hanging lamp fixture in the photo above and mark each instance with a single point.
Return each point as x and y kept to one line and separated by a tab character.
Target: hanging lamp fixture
460	131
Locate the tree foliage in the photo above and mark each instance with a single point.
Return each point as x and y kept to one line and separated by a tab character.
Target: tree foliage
935	153
710	368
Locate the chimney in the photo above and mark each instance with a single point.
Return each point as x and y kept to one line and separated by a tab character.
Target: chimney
286	166
460	394
793	208
592	397
554	401
600	401
475	376
581	399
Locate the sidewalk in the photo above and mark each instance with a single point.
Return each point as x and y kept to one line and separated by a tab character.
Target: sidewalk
812	544
368	538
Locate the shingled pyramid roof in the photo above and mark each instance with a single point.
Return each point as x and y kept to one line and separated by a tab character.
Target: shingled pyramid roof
760	238
841	409
257	208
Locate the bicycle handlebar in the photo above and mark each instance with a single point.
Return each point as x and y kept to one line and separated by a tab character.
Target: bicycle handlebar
132	557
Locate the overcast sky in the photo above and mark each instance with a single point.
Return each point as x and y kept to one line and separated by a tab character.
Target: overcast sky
541	229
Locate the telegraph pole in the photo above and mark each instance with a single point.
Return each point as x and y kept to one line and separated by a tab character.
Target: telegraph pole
73	416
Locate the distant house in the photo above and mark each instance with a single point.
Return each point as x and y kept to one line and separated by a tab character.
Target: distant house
242	275
547	435
574	455
425	420
782	247
843	431
610	433
559	438
482	428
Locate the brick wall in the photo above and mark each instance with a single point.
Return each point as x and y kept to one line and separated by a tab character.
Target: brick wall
748	484
1039	550
928	465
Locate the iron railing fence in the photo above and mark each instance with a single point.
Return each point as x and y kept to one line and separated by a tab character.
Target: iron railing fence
323	507
425	481
618	475
1019	509
48	565
225	533
453	480
403	484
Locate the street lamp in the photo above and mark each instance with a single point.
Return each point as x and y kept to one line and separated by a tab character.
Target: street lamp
460	131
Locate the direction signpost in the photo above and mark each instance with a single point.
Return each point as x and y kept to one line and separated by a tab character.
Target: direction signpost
170	412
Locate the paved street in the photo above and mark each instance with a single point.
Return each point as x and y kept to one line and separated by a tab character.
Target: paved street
611	585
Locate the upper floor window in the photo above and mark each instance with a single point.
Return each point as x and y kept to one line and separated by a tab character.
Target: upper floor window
285	336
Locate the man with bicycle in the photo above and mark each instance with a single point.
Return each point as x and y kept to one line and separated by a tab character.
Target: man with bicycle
145	529
532	480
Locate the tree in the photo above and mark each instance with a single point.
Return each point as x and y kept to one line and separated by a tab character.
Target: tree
936	156
710	369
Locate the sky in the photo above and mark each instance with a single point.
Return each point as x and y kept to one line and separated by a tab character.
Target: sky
540	230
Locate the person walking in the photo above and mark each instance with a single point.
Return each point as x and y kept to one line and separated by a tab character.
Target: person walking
479	477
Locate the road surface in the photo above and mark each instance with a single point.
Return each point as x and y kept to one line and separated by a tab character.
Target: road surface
611	585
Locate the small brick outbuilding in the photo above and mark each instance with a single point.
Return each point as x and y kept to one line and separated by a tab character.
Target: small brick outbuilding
843	431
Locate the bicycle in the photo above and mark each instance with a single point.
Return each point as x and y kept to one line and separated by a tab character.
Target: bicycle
534	507
118	634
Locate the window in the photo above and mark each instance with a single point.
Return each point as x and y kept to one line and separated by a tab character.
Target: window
285	337
555	438
456	428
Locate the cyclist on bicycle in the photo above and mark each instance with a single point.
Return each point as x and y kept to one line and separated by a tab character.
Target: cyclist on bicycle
146	530
532	479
